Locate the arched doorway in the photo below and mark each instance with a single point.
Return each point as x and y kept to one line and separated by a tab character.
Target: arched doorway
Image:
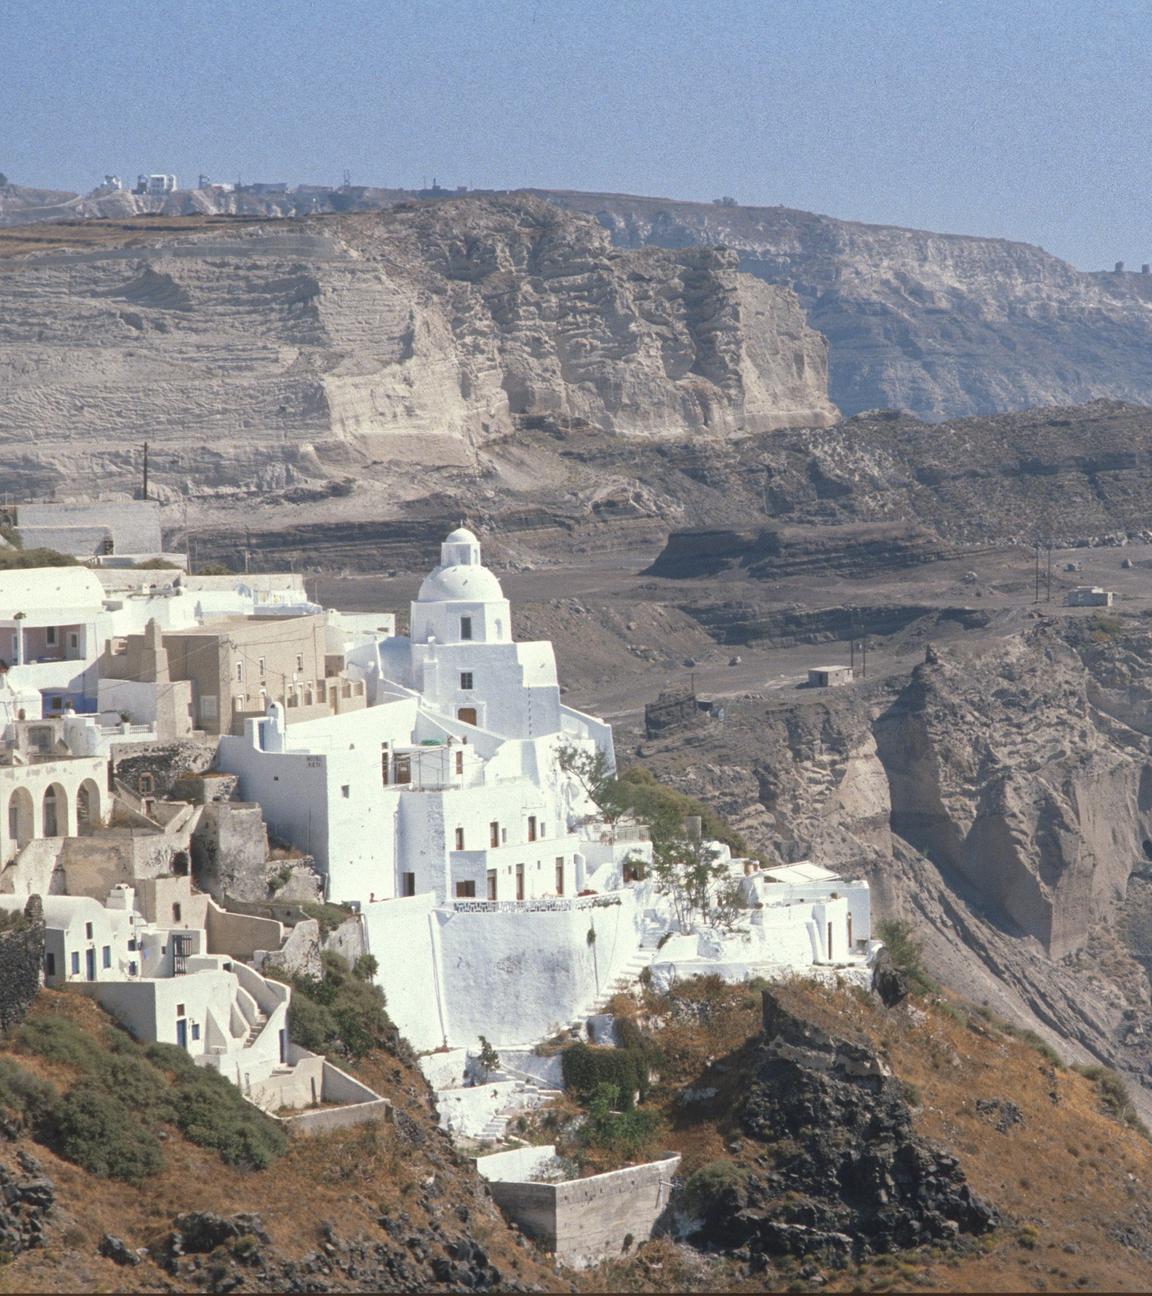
21	820
88	815
55	811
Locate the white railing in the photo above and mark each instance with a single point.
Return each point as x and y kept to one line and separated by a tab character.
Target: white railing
546	904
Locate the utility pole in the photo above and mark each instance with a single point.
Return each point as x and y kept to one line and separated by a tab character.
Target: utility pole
864	656
1037	598
1049	571
144	495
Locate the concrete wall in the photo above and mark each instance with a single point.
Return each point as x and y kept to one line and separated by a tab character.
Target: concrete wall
240	935
134	524
583	1221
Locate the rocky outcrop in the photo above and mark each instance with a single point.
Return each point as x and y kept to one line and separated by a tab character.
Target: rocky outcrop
27	1203
21	961
940	324
851	1177
269	355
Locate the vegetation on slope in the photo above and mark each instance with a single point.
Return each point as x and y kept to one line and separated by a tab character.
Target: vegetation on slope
384	1206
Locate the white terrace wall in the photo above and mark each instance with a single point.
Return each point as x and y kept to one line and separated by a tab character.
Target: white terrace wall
517	974
402	936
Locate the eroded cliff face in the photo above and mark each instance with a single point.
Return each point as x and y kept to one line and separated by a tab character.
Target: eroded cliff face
999	766
266	354
939	324
1001	798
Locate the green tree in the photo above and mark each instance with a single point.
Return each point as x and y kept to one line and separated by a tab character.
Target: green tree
596	775
689	871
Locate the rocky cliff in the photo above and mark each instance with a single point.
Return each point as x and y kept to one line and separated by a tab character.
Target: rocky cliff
942	325
999	797
266	353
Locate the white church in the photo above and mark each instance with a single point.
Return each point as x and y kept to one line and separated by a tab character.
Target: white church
493	899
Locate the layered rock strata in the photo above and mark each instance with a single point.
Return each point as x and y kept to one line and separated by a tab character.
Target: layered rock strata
266	355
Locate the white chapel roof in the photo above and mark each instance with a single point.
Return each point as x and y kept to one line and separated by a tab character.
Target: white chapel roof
56	590
465	583
461	536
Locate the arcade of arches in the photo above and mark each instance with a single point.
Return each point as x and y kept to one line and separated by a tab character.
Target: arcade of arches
56	799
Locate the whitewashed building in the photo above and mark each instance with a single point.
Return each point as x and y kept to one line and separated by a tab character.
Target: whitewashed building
442	810
157	977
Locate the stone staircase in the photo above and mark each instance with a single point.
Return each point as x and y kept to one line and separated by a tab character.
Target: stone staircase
255	1029
629	974
526	1097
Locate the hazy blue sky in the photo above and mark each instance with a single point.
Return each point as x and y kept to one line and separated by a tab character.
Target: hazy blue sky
1027	119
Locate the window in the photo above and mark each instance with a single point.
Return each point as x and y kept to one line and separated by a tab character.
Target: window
459	838
402	769
494	833
239	672
559	875
465	679
345	790
459	762
73	641
491	884
180	1010
519	881
262	666
132	968
503	836
175	913
195	1030
75	964
531	828
131	944
50	635
408	884
465	627
106	956
87	931
50	965
299	661
384	767
465	890
146	785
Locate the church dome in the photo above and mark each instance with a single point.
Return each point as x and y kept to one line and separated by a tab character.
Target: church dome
461	536
460	583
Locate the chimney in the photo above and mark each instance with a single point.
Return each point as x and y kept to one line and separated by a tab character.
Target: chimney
1119	267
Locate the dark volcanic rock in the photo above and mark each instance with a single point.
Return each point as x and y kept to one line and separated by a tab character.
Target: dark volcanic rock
852	1177
888	981
26	1204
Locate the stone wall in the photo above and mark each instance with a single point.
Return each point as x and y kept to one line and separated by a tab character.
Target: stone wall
585	1221
230	851
21	960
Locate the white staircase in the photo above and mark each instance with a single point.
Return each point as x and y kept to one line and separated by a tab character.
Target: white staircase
255	1029
650	934
526	1097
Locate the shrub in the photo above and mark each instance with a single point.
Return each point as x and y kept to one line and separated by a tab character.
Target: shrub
1114	1096
25	1099
211	1112
625	1134
906	953
708	1187
56	1039
104	1135
23	558
588	1069
340	1011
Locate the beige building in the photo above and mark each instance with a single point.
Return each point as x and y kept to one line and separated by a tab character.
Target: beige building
232	669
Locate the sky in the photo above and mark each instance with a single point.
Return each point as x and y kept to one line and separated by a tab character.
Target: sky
1023	119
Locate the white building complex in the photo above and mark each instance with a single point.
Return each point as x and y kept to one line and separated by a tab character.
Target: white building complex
494	901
